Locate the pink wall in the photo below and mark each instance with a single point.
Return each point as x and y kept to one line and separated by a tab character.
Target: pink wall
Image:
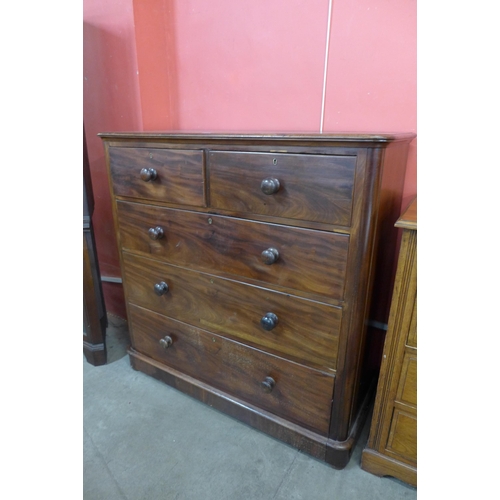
372	72
111	101
246	66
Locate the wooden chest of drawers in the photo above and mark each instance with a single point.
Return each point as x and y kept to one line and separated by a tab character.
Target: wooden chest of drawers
248	264
392	445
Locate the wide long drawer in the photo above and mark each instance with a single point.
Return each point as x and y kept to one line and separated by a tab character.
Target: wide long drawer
300	259
289	390
315	188
302	330
168	175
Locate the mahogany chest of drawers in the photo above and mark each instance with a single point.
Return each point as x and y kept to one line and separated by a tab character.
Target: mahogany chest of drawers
248	264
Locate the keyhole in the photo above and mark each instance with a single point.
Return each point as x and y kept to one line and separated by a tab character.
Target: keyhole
275	161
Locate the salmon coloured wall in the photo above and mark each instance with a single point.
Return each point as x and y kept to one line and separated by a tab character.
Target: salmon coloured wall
261	66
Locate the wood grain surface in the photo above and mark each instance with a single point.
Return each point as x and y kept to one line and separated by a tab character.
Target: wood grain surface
180	174
307	331
335	206
309	260
392	444
403	435
313	187
300	394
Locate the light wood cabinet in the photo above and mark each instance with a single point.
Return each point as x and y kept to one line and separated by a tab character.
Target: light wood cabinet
392	445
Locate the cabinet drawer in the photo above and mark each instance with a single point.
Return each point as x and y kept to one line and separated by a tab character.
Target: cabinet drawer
311	187
307	260
179	174
403	435
407	390
300	394
306	331
412	331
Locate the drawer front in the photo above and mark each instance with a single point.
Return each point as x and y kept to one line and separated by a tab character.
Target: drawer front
307	260
407	390
311	187
179	174
306	331
412	331
300	394
403	435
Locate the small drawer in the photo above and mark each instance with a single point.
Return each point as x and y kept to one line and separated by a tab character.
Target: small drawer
407	390
286	389
411	340
300	259
168	175
302	330
297	186
403	435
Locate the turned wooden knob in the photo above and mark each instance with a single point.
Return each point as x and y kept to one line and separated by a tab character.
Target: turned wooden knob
268	384
161	288
270	185
148	174
155	233
270	256
269	321
166	342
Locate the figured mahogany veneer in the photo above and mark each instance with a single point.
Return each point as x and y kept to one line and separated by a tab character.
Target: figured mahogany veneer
307	331
173	176
248	264
311	187
300	394
235	246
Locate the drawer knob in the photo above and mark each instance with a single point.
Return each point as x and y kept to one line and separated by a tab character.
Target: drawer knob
270	256
155	233
161	288
148	174
268	384
166	342
269	321
270	185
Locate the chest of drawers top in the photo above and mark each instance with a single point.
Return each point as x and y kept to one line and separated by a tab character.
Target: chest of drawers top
307	180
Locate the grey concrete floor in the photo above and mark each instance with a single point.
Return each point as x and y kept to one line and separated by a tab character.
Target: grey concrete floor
144	440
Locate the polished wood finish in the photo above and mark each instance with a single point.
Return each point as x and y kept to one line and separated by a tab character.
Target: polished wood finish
277	265
307	331
305	187
235	246
94	309
392	445
300	394
178	175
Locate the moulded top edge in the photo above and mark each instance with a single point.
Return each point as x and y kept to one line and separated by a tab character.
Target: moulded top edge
194	136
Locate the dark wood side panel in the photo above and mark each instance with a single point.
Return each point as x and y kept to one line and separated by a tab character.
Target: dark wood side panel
180	174
306	331
94	310
312	187
300	394
234	246
372	255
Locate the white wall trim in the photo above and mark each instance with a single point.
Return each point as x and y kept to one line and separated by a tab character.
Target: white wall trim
327	49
